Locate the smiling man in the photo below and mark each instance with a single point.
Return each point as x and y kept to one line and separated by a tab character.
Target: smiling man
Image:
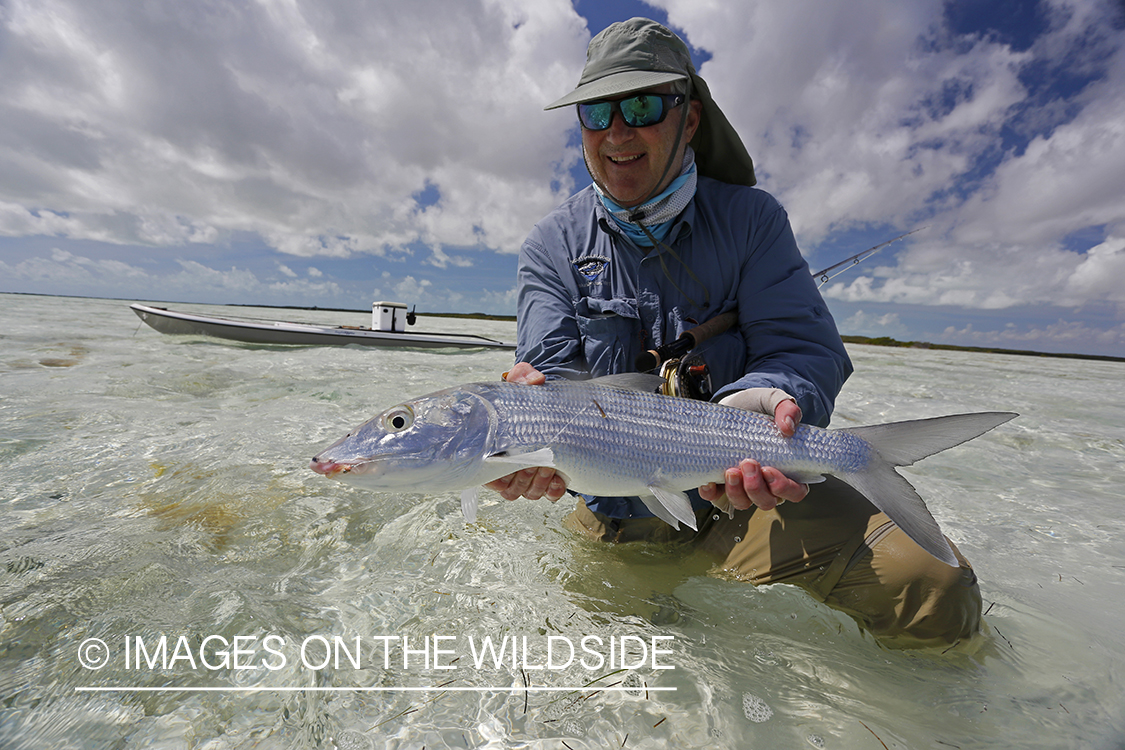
631	164
672	234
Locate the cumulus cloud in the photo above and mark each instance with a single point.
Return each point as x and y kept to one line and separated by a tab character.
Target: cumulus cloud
993	276
312	124
411	288
1100	274
417	292
414	131
863	323
440	259
873	114
1063	182
64	272
501	301
1064	335
936	273
857	112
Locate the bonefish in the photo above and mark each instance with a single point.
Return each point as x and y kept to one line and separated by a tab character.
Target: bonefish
614	436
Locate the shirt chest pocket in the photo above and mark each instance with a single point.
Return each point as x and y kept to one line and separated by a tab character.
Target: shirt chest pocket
610	331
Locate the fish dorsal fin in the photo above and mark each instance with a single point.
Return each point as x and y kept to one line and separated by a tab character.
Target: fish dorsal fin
630	381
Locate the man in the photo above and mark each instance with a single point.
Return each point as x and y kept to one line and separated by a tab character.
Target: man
670	235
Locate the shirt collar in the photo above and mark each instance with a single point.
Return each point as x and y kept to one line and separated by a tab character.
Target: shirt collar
680	227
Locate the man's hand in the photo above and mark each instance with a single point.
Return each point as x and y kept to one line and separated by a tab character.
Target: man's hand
750	483
524	373
532	483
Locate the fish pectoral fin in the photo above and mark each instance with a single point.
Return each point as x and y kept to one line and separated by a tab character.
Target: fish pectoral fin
671	506
469	498
540	457
507	462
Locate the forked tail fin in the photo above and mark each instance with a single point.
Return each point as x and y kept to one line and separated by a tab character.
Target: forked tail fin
901	444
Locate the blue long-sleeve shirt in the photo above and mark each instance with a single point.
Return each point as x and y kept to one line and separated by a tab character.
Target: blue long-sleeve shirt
590	300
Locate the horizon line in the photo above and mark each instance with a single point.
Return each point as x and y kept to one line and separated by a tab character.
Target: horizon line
856	338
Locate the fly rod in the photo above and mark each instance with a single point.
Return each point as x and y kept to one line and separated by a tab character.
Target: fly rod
649	360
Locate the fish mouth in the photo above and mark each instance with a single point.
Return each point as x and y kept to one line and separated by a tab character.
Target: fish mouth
328	468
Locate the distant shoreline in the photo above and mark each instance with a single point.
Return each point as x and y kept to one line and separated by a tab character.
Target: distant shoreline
888	341
877	341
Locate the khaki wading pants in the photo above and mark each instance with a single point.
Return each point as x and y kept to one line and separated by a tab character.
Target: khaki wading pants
837	546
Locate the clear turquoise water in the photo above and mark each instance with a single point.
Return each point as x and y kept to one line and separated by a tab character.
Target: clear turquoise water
157	486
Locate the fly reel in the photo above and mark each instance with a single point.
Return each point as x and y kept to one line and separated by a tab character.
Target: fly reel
686	377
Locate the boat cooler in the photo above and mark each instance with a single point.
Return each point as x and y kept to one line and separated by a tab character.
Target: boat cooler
388	316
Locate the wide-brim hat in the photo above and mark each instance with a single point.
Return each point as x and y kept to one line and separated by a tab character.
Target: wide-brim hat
639	54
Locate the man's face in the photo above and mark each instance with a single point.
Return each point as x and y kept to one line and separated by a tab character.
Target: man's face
628	162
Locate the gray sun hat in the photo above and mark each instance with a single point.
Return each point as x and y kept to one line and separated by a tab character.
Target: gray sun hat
639	54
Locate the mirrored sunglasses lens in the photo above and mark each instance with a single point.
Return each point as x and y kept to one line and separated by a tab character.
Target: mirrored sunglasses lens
596	116
642	110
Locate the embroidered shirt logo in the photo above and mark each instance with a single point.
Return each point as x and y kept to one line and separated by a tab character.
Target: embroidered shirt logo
591	266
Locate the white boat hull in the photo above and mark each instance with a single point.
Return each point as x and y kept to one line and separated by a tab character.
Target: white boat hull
303	334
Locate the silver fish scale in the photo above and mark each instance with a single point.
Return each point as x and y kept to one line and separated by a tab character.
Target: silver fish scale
626	433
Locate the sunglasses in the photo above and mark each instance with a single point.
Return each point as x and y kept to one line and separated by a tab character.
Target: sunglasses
638	111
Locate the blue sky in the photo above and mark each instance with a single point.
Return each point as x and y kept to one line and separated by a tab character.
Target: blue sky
335	152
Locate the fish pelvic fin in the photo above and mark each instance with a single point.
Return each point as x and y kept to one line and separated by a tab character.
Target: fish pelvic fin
903	443
670	506
469	498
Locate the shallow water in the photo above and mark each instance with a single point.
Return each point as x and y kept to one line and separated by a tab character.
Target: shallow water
157	486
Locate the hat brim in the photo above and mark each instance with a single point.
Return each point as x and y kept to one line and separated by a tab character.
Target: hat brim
616	84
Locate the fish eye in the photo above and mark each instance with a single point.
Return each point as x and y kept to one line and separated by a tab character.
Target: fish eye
398	419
